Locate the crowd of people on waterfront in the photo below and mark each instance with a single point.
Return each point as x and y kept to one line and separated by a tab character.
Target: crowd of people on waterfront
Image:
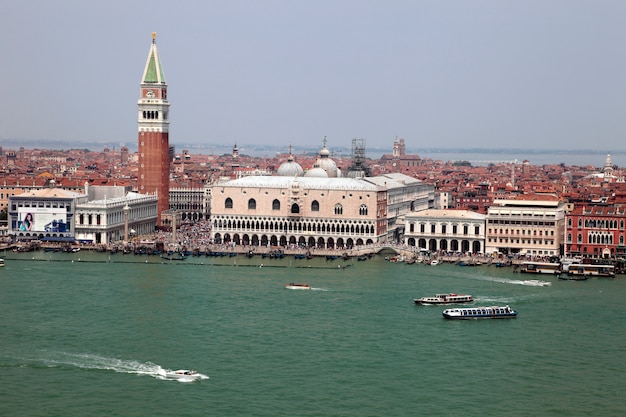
196	236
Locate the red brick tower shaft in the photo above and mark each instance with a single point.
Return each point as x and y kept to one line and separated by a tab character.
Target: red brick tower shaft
153	132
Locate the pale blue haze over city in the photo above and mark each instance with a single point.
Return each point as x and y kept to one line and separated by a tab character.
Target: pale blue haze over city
452	74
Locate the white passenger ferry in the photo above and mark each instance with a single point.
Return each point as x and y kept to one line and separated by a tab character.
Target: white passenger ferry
530	267
495	312
444	299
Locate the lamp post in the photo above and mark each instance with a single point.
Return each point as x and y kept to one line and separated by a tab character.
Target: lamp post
126	210
174	226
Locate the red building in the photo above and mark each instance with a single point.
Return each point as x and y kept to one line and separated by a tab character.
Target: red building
596	231
153	132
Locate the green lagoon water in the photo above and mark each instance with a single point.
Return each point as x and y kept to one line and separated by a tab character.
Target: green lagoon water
87	334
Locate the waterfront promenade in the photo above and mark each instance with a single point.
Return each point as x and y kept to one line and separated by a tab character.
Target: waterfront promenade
396	252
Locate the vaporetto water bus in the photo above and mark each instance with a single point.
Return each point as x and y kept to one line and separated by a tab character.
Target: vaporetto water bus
530	267
589	270
494	312
444	299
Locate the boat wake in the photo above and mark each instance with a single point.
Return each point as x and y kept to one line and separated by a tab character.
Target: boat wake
125	366
486	300
532	283
528	282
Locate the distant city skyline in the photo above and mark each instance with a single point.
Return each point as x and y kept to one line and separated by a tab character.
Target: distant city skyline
476	156
484	74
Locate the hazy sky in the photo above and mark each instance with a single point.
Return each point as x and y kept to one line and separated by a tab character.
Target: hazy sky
442	73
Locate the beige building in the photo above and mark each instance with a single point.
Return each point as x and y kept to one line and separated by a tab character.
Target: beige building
446	230
191	204
113	214
530	227
405	195
317	208
312	212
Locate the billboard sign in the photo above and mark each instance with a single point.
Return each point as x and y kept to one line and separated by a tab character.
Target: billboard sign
42	220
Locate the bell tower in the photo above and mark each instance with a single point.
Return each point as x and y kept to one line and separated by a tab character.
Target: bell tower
153	132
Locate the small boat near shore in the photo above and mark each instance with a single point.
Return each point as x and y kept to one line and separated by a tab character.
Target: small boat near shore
439	299
293	286
174	257
494	312
574	277
1	262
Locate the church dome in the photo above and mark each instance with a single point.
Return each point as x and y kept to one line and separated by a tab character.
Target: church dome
316	172
328	165
290	169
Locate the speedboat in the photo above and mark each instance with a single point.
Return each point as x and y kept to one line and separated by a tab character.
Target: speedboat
183	375
1	262
536	283
293	286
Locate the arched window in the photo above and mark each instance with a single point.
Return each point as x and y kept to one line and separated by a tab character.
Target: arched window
295	209
228	203
315	206
275	205
338	209
252	204
363	210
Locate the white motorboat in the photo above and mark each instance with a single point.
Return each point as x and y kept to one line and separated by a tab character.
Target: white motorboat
536	283
293	286
183	375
